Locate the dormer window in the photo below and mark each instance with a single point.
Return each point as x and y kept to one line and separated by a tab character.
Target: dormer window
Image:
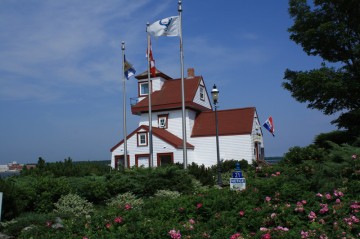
143	88
202	93
163	121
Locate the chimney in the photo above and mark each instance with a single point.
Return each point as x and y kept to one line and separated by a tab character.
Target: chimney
190	72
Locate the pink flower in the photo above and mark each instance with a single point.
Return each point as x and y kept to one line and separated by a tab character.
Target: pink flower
267	199
199	205
263	229
354	156
304	234
241	213
324	208
338	201
277	173
280	228
319	195
312	216
118	219
85	238
48	223
328	196
174	234
127	206
192	221
338	193
266	236
108	225
303	202
235	236
273	215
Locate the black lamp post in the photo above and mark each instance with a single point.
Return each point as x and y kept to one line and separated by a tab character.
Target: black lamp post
215	97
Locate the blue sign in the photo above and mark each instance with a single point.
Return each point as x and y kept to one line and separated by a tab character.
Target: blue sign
237	180
237	174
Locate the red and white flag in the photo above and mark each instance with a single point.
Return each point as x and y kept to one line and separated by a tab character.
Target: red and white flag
151	60
269	125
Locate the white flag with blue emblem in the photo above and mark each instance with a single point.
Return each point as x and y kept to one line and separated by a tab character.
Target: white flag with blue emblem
165	27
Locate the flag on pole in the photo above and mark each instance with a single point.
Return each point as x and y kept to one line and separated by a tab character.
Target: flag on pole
129	70
269	125
152	61
169	26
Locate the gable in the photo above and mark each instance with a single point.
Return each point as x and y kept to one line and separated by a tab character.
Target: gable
162	134
169	97
230	122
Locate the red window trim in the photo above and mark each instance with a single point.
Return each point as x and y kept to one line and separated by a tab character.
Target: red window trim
161	154
137	156
137	139
118	157
166	120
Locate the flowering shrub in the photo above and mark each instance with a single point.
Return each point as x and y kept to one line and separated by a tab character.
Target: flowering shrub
167	194
73	204
292	204
126	201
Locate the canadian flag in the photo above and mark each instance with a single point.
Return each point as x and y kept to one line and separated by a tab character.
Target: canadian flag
152	61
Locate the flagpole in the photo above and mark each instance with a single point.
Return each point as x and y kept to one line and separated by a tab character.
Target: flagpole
149	97
182	88
124	105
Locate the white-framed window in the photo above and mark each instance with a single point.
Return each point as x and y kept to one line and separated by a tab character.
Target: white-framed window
202	93
163	121
143	88
142	139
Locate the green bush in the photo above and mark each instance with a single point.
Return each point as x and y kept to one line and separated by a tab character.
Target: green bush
73	204
297	155
315	194
167	194
126	200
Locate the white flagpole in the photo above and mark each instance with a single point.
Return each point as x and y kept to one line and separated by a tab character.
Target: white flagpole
182	88
149	97
124	105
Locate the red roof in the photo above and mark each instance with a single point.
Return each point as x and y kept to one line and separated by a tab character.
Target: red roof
160	133
230	122
169	97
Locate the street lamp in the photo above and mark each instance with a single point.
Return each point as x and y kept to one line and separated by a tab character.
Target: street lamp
215	97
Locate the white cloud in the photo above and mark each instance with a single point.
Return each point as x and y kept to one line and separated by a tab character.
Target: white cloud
65	42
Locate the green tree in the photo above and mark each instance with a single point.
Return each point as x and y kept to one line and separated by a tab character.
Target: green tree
329	29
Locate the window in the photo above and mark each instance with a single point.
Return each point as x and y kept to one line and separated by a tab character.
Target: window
162	121
165	159
142	139
143	88
202	95
119	161
142	160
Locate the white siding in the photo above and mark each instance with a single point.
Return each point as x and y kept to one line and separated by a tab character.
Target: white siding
231	147
174	121
159	146
206	101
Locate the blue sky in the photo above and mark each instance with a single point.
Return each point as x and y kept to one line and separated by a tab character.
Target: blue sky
60	70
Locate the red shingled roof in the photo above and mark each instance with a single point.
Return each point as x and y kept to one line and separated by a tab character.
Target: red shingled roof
169	97
160	133
230	122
